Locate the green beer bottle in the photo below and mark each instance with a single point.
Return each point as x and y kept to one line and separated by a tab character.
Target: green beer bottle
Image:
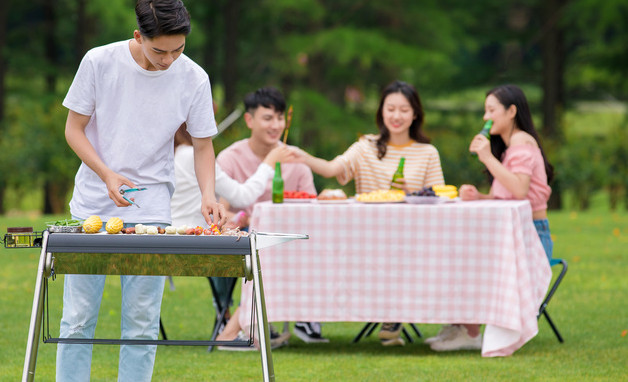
398	174
486	130
277	184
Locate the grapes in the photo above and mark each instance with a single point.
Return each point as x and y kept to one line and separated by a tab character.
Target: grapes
425	191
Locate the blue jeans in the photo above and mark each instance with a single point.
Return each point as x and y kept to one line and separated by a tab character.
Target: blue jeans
140	307
542	229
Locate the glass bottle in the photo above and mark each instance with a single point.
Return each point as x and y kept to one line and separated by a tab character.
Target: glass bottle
486	130
398	174
277	185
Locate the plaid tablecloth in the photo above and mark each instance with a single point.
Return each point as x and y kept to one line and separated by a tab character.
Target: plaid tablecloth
463	262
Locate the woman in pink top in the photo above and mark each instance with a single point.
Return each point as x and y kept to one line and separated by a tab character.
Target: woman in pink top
518	169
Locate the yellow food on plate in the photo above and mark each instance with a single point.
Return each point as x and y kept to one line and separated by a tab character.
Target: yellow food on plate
446	190
114	225
381	196
92	224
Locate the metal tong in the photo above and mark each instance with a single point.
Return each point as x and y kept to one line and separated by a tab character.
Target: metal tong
122	192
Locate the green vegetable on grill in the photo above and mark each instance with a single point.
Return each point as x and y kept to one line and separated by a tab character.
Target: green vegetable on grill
65	223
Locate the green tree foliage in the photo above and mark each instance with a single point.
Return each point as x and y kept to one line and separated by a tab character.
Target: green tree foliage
331	58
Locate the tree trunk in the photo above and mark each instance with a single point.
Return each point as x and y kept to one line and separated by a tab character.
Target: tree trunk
4	12
230	72
80	44
50	185
553	52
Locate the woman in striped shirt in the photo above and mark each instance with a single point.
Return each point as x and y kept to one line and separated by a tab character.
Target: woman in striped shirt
373	159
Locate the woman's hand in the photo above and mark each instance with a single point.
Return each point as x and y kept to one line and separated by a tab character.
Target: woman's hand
281	154
400	183
468	192
481	146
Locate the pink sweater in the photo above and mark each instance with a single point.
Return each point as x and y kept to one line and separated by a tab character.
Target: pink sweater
240	163
525	159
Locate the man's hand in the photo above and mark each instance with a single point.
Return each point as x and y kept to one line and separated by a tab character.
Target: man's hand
213	212
114	181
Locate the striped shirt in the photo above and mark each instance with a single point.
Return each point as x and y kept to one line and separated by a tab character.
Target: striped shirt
422	165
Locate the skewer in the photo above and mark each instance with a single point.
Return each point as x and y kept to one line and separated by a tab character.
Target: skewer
288	122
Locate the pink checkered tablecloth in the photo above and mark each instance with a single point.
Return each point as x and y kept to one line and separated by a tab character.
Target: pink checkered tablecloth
463	262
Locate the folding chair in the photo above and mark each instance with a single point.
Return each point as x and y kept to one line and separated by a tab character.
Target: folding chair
370	327
543	308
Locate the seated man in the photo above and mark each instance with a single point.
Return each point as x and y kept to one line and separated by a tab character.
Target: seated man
265	118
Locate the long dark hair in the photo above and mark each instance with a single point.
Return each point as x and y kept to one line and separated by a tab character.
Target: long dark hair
509	95
415	128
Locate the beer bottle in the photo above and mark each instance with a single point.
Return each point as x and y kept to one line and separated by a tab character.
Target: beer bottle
398	174
277	184
486	130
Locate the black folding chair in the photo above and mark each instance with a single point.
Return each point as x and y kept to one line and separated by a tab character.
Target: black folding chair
543	308
370	327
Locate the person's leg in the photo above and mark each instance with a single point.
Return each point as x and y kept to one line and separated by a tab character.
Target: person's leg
82	295
141	303
231	330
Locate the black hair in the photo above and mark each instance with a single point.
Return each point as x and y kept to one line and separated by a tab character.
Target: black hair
162	17
509	95
268	97
412	96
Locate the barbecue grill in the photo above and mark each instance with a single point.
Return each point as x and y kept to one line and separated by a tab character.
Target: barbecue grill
174	255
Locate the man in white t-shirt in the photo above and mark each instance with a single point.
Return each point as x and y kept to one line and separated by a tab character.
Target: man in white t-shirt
125	104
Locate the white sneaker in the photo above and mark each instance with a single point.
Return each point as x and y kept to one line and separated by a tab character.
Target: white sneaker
390	331
393	342
445	332
461	341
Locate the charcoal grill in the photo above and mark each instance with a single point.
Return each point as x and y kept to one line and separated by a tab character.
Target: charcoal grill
155	255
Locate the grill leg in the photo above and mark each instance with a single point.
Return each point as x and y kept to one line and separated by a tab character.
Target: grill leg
34	329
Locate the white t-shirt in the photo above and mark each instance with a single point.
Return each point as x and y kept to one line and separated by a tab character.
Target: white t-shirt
186	201
134	116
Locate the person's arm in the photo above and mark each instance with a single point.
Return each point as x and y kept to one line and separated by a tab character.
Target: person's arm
325	168
77	140
242	195
204	166
518	184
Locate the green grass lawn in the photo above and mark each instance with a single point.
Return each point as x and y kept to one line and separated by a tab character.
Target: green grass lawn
589	309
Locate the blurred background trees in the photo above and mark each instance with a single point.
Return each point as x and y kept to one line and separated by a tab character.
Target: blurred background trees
331	58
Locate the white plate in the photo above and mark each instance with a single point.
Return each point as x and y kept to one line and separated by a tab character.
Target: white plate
382	202
298	200
425	199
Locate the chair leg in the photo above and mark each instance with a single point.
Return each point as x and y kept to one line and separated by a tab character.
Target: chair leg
369	325
550	294
162	330
554	328
221	310
416	330
406	334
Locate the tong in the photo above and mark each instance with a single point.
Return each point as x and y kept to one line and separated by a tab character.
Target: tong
122	192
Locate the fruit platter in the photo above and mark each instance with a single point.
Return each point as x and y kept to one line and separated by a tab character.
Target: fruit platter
298	197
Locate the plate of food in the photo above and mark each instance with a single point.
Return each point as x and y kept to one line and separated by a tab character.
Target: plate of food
298	200
381	196
298	197
333	196
416	199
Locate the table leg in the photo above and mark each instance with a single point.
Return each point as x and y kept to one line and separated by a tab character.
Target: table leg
262	318
32	345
